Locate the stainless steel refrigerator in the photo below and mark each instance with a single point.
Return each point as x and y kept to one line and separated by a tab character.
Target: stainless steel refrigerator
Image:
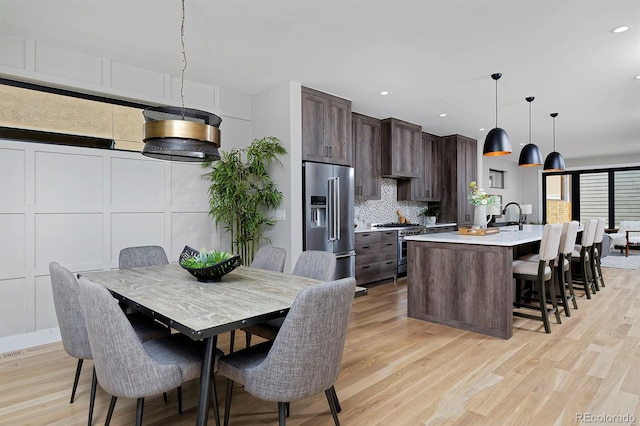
328	213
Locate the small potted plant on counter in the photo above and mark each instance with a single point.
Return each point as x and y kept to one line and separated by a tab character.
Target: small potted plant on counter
430	213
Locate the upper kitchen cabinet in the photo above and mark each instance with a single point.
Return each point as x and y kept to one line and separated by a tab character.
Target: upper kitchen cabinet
427	186
367	156
458	169
326	128
401	146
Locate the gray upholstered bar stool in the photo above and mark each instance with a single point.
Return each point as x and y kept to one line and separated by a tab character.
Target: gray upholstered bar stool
541	276
596	250
581	257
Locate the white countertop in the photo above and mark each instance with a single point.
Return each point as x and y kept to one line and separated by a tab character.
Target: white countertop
399	228
509	236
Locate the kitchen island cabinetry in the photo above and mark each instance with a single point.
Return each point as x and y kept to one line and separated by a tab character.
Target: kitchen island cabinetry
466	281
367	156
427	186
401	149
458	169
326	128
376	256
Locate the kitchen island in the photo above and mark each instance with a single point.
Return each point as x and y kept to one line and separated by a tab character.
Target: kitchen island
466	281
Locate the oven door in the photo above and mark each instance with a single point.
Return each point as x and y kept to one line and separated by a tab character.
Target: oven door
402	256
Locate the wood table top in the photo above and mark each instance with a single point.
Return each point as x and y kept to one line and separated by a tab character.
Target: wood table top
170	294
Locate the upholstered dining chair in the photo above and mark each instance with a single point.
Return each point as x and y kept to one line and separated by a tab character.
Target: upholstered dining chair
139	256
268	258
305	357
542	276
582	258
75	341
127	367
596	251
319	265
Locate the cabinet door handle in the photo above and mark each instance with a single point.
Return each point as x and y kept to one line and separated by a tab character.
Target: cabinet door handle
330	152
389	262
365	235
366	267
366	247
427	191
388	244
326	151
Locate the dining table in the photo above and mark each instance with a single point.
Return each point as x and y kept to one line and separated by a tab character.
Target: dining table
203	310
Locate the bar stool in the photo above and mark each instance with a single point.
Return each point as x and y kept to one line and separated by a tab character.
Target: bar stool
596	270
580	257
541	276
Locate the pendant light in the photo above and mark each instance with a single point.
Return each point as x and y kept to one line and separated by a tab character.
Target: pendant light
179	133
554	161
497	140
530	154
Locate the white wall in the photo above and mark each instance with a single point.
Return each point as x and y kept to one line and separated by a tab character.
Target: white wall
277	112
79	206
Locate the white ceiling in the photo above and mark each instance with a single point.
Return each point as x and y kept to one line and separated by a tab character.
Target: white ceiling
433	56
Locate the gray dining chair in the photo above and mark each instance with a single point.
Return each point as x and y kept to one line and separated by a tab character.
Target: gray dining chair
305	357
318	265
582	257
128	368
268	258
139	256
75	341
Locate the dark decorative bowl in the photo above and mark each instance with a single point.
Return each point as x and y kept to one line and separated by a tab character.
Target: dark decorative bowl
213	273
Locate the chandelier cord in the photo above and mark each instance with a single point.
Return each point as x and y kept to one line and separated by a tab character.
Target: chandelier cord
183	60
496	102
529	122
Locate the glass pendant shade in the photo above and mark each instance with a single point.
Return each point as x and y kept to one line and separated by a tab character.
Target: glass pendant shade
497	141
530	155
554	162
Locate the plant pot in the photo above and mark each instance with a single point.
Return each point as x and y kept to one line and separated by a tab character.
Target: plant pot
429	220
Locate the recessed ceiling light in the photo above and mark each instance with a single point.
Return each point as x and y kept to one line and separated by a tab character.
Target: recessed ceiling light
481	129
443	115
621	29
522	143
384	93
637	77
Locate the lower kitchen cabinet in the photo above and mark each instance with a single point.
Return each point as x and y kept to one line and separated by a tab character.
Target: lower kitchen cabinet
376	256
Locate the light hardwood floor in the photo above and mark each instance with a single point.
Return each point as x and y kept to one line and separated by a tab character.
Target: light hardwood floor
400	371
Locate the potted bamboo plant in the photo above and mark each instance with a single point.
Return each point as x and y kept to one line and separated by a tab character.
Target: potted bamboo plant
242	192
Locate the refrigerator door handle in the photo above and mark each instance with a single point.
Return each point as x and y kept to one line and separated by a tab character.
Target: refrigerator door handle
342	256
338	223
330	213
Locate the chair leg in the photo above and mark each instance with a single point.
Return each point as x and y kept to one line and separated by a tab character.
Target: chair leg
232	340
214	400
335	398
179	399
227	401
561	288
75	381
282	407
92	399
332	404
569	281
287	408
585	277
139	409
543	305
553	292
164	397
112	405
247	339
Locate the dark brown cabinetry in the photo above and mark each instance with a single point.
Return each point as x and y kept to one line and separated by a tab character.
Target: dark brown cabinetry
326	128
427	186
376	256
366	156
401	148
459	167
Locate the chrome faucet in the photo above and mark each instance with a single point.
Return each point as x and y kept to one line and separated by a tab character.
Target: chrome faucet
520	221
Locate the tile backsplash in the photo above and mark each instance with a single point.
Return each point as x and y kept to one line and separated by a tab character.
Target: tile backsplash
384	210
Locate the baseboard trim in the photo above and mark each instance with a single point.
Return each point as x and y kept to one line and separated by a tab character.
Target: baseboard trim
27	340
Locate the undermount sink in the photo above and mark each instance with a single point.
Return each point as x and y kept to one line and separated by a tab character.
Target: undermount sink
508	228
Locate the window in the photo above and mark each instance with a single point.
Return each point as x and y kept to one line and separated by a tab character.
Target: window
626	195
594	195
